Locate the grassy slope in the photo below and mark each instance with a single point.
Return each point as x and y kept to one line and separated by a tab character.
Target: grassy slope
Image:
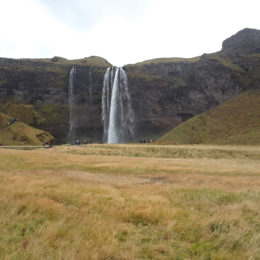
227	62
20	133
165	60
94	61
23	112
63	203
37	117
237	121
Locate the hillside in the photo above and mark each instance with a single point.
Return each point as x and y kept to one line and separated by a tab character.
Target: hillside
19	133
236	121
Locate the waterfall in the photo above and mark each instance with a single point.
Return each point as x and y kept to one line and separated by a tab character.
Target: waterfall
117	113
71	101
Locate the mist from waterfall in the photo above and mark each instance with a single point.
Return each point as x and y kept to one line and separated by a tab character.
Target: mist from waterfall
117	113
71	101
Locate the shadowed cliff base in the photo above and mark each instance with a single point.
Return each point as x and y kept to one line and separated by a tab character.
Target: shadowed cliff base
236	121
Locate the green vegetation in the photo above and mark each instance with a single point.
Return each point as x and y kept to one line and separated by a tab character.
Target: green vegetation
165	60
169	151
252	77
25	113
221	57
43	116
63	203
236	121
53	114
93	61
19	133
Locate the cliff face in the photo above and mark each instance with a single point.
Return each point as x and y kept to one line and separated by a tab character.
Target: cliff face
243	43
44	85
164	92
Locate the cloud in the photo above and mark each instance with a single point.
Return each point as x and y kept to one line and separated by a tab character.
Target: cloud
84	14
28	29
121	31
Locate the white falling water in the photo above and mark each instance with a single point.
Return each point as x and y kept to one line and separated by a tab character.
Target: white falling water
71	100
117	113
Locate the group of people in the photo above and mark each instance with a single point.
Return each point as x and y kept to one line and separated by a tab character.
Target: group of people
47	145
86	141
143	141
77	141
12	120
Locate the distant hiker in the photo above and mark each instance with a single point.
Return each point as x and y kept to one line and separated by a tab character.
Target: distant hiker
76	142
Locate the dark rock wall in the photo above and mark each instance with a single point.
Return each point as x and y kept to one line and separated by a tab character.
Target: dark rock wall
164	95
45	85
243	43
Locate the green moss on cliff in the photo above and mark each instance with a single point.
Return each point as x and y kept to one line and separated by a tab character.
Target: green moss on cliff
19	133
23	112
251	63
226	61
4	120
165	60
53	114
236	121
92	61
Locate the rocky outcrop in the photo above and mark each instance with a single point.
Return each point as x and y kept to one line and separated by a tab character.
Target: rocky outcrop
243	43
164	92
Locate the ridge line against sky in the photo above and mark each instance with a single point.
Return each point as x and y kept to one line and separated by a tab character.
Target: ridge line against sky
121	31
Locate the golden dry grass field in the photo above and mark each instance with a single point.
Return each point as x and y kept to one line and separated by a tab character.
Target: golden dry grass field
130	202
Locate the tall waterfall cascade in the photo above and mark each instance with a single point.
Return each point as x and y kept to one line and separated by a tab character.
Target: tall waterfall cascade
117	112
71	101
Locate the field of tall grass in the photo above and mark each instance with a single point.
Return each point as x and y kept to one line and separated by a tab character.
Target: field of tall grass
130	202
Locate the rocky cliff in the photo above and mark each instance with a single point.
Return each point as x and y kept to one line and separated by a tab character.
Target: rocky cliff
44	83
164	92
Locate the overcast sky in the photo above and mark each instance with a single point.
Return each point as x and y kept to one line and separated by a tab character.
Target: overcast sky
121	31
